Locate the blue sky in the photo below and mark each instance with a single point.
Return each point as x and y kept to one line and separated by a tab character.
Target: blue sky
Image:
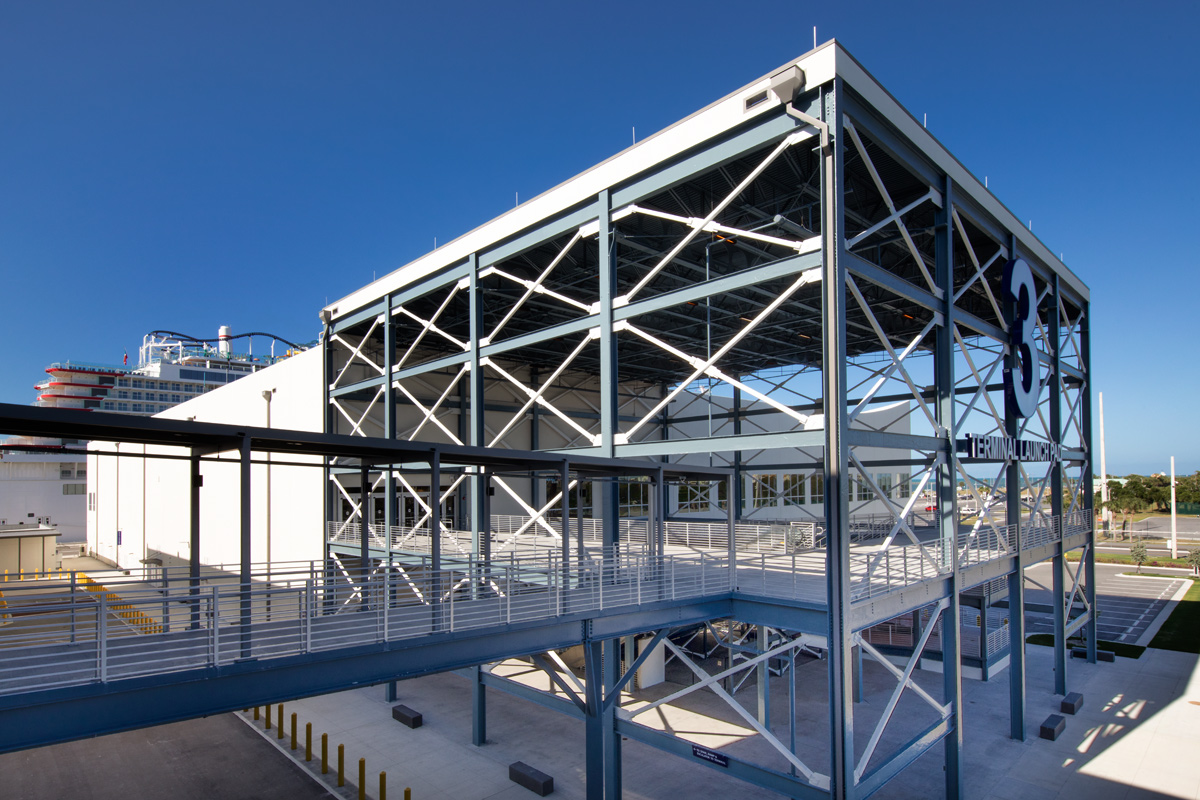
190	165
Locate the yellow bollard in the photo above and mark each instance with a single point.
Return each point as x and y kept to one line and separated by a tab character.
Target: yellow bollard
341	765
362	779
383	786
324	753
267	714
256	715
280	735
308	741
407	793
293	730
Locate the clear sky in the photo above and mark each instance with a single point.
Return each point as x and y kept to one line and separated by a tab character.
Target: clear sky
190	165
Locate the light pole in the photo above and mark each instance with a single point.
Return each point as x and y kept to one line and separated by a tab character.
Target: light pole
267	395
1174	538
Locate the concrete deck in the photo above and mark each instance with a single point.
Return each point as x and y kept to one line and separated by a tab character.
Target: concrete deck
1138	736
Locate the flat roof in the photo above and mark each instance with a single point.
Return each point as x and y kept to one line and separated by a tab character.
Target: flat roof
820	66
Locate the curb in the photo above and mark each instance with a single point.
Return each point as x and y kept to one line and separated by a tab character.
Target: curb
1153	628
327	782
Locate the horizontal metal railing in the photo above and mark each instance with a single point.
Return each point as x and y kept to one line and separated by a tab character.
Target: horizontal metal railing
67	631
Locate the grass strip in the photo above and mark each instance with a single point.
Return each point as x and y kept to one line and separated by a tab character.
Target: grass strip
1125	558
1120	648
1181	631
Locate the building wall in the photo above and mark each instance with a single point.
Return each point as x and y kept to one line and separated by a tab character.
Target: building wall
33	491
147	500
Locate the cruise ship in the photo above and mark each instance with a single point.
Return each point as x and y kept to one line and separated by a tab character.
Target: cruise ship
43	482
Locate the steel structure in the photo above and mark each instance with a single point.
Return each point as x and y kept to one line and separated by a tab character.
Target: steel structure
772	268
563	429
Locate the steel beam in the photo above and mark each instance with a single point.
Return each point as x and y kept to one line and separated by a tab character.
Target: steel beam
1016	578
946	471
837	458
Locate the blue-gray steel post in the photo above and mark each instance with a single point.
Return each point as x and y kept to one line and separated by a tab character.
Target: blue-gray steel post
609	381
947	487
736	498
612	742
480	525
1085	404
364	543
435	536
594	746
763	677
1016	579
858	673
246	555
833	378
478	708
564	482
536	484
193	540
984	654
659	529
792	704
389	421
1056	508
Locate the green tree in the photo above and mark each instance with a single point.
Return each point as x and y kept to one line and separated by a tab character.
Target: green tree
1138	553
1128	497
1193	559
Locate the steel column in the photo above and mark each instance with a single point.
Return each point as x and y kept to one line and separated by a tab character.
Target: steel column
364	544
593	659
478	707
246	554
837	457
1089	563
1016	579
947	488
193	540
1059	562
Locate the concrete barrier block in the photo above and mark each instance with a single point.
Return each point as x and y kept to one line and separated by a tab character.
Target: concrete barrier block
1053	727
532	779
1071	703
406	716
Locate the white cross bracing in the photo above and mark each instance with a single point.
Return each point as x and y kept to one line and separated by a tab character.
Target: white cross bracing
537	286
356	425
539	397
430	324
707	366
903	681
979	270
897	361
698	225
898	514
713	681
356	351
896	216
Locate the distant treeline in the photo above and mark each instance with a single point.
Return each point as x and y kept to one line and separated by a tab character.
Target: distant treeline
1134	493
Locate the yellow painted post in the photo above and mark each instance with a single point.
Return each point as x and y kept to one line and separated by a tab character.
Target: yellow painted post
407	793
383	786
362	779
324	753
256	714
308	741
267	714
293	730
280	734
341	765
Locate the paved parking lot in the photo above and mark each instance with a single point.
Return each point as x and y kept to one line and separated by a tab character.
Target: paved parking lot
1128	605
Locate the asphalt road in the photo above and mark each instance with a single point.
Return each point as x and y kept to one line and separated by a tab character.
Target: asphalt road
1128	605
215	758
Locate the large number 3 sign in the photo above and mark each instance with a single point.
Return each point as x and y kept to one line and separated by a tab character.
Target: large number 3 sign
1022	383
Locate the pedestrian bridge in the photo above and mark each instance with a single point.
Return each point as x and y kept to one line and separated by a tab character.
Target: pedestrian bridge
123	650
